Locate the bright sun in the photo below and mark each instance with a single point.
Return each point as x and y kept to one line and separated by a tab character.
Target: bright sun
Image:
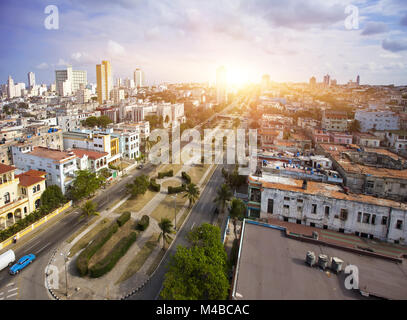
238	76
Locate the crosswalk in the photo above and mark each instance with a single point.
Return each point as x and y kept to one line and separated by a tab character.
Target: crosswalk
9	292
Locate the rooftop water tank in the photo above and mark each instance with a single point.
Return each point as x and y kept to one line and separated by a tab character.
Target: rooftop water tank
336	265
310	258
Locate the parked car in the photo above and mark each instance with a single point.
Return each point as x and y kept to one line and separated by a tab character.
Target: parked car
22	263
7	259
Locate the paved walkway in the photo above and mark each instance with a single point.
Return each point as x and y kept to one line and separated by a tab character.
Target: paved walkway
105	287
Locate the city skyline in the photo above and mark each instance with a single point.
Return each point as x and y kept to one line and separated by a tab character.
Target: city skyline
182	42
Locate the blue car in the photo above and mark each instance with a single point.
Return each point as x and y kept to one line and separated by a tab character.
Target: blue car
22	263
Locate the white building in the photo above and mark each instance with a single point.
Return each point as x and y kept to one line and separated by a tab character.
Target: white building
31	79
327	206
60	166
68	81
377	119
139	80
397	140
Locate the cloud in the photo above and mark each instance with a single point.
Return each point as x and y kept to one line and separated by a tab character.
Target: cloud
374	28
42	66
394	46
62	62
114	48
403	21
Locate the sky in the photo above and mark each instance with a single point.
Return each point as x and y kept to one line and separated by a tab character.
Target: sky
187	40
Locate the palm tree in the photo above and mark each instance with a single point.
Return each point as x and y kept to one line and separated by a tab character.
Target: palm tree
224	195
89	209
192	193
236	211
166	229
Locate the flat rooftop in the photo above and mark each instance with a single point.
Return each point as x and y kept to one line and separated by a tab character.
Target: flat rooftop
53	154
272	266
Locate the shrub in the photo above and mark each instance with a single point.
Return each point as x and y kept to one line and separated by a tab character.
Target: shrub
123	218
93	247
186	177
164	174
108	262
178	189
143	223
154	186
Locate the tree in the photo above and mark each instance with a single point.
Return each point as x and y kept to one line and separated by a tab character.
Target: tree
89	209
198	272
165	226
192	193
85	184
139	186
103	121
224	195
237	210
52	198
234	179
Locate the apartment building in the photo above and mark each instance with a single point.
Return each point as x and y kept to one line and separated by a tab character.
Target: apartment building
90	160
372	119
59	166
327	206
20	194
334	120
366	140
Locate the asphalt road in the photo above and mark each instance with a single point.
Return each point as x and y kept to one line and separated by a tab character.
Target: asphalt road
201	213
29	283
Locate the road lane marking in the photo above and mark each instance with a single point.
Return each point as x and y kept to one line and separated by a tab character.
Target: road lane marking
10	284
13	289
12	295
43	248
192	225
32	245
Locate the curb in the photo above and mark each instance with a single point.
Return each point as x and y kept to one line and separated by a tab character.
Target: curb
46	276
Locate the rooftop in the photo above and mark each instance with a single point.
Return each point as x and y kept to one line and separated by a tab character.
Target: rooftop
53	154
279	271
322	189
29	178
6	168
90	153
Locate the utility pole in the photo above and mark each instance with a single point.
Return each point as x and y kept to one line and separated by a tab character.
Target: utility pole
175	213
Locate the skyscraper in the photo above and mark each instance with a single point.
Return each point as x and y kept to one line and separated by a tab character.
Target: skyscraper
139	78
221	85
10	87
31	79
358	80
326	80
103	81
68	81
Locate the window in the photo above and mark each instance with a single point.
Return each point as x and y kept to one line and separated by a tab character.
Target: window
327	211
7	198
399	224
314	209
286	206
300	200
366	218
286	198
373	219
270	205
384	220
299	209
344	214
359	216
38	187
369	184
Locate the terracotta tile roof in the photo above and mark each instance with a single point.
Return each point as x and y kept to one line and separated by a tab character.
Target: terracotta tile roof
35	173
90	153
6	168
28	179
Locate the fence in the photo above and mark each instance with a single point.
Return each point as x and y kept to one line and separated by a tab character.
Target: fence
36	224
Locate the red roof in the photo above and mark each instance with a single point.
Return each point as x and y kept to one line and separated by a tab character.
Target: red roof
27	179
6	168
90	153
35	173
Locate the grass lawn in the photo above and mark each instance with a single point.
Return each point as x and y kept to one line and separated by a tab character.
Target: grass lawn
122	232
136	204
196	173
141	257
156	261
83	242
166	208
